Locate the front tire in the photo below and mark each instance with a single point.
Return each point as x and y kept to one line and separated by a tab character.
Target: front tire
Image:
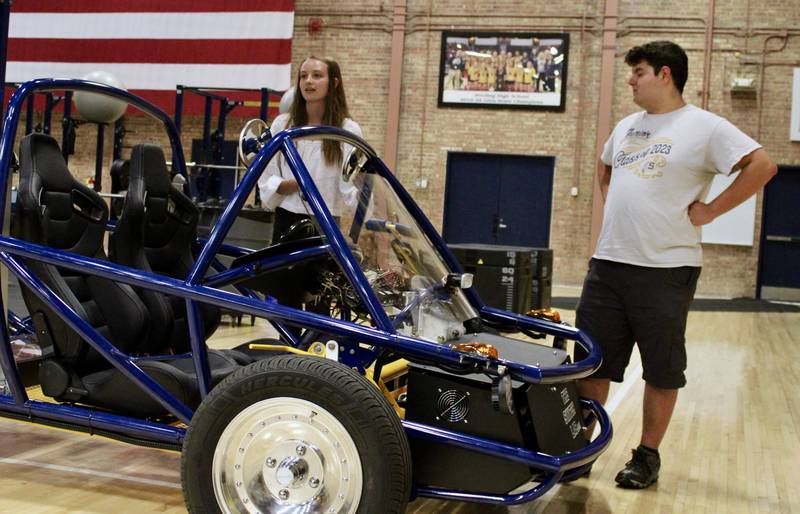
295	434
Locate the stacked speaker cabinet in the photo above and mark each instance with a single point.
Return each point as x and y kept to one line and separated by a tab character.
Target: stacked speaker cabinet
514	278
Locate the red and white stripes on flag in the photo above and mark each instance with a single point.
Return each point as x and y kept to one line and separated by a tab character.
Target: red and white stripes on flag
154	45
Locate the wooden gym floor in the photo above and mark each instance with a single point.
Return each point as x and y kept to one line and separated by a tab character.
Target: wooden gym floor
733	445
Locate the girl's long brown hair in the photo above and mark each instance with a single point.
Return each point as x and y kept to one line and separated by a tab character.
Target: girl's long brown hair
335	108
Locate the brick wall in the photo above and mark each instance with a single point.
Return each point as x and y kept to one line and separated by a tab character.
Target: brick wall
427	132
358	35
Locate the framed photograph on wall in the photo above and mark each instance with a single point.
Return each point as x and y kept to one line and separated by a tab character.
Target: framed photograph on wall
503	70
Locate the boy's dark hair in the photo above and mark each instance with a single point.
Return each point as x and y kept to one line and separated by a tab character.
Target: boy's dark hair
659	54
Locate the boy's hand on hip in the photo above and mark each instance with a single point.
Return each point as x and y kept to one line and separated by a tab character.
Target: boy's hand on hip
700	214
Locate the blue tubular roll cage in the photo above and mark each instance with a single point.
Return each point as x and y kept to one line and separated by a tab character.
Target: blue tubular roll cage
200	286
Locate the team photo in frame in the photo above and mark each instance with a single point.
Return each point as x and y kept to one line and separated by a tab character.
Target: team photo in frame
503	70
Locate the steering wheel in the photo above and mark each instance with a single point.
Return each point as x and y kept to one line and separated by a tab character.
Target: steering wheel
252	138
353	163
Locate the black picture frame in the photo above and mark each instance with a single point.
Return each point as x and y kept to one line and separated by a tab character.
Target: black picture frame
504	70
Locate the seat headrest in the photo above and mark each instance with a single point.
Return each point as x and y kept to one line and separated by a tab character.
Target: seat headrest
119	175
54	208
149	164
42	155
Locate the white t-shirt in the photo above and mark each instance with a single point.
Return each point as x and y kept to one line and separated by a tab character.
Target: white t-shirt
661	163
327	177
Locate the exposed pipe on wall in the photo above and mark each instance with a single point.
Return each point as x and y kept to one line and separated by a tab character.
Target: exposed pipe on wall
726	31
555	27
604	109
624	19
494	14
747	28
764	53
358	14
707	57
767	64
395	80
424	116
576	161
360	28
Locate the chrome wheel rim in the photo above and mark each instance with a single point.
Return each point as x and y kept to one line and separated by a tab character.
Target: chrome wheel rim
289	456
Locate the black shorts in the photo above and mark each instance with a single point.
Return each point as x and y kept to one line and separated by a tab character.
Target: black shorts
622	304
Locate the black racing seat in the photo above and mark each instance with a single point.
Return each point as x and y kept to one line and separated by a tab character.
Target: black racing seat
55	210
155	232
119	184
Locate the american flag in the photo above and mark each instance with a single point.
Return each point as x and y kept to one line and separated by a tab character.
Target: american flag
154	45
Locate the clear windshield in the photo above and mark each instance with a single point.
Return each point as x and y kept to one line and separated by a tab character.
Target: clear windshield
400	263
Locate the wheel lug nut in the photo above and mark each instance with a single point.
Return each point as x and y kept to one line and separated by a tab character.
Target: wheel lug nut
313	482
271	462
283	494
301	450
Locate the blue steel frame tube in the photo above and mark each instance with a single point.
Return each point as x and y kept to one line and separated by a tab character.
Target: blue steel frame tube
6	354
282	142
341	250
148	430
507	499
531	458
18	324
226	277
5	15
216	237
193	289
577	370
9	365
27	89
291	316
120	360
257	307
25	92
556	466
197	343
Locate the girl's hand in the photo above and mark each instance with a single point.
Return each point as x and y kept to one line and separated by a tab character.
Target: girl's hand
288	186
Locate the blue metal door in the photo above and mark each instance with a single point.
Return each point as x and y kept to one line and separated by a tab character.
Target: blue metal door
779	262
498	199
